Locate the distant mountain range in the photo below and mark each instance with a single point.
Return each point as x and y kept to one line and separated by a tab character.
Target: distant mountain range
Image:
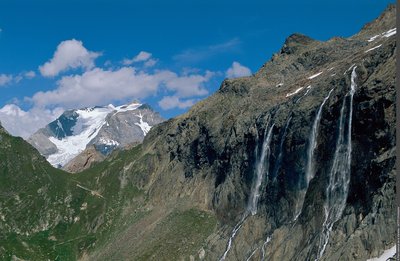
100	129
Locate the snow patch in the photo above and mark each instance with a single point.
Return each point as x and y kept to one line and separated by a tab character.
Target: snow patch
386	255
389	33
88	124
373	38
293	93
386	34
108	142
130	107
315	75
373	48
143	125
60	125
279	85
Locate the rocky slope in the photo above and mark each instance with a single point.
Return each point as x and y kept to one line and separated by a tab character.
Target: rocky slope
340	209
101	128
296	162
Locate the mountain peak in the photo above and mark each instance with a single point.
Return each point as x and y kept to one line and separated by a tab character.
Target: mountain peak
296	41
145	107
106	127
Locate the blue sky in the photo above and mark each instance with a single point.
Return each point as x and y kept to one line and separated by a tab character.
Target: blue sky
56	55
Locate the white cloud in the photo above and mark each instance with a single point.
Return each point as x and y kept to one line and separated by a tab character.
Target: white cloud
150	63
141	57
97	87
70	54
24	123
5	79
30	74
237	70
189	85
100	86
10	79
170	102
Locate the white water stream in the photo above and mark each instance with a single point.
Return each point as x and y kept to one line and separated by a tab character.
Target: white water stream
262	166
339	179
310	172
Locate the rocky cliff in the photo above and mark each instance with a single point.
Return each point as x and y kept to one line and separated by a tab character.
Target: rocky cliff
323	115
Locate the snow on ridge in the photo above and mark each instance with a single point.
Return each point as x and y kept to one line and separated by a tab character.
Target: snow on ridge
386	254
124	108
373	48
143	125
108	142
315	75
373	38
386	34
293	93
129	107
390	33
88	124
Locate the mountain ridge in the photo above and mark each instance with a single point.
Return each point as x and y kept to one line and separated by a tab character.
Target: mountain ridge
104	127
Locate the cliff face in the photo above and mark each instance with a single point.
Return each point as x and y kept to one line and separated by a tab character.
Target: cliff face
326	194
296	162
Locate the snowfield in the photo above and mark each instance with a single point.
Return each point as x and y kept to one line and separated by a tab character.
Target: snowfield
88	124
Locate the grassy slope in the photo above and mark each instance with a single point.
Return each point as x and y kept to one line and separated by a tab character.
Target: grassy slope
46	213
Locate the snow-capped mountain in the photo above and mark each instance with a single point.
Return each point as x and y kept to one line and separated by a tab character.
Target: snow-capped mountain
106	128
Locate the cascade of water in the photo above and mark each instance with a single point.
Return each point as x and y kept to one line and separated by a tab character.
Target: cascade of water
262	166
233	234
263	248
309	173
313	141
339	179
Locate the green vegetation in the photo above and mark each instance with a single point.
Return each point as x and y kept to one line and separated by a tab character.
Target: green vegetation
180	234
48	214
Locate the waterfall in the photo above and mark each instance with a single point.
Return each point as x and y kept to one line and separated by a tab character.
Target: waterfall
313	142
263	248
262	166
339	179
233	234
309	173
